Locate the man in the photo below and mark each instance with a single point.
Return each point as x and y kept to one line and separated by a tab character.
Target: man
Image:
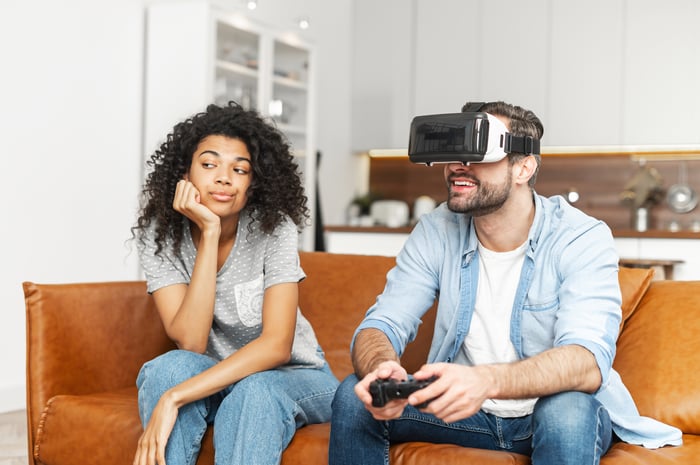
528	316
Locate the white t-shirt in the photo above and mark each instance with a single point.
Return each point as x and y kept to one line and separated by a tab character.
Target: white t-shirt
488	340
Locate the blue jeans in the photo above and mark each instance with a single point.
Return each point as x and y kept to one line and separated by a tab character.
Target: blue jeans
254	419
566	428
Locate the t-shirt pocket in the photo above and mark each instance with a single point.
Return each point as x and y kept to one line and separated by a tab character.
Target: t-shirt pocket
249	300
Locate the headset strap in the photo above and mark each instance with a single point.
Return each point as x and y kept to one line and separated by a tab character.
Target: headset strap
521	144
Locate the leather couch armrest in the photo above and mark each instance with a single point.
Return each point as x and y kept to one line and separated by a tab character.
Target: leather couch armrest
87	338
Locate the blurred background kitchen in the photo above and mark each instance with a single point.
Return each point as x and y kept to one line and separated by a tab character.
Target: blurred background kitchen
89	87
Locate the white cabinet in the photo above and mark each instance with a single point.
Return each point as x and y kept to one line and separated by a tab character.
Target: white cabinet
461	54
199	53
585	76
645	248
263	72
390	244
662	71
365	243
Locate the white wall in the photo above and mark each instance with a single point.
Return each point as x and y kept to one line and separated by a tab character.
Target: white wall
382	78
598	72
70	126
70	129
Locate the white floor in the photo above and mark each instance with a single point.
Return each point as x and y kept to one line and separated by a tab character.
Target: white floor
13	438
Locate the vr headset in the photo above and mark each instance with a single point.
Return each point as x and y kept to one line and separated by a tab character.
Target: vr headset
466	137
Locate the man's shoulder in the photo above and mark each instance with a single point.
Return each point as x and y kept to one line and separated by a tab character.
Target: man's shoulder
561	219
558	206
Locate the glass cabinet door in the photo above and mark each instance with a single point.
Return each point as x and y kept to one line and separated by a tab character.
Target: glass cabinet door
289	98
237	66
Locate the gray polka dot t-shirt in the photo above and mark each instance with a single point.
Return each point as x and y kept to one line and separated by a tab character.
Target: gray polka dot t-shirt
256	262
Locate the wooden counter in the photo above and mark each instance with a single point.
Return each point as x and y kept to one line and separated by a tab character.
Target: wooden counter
628	233
674	255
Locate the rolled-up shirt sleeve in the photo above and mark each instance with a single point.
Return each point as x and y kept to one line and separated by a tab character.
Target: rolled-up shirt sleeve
589	296
411	289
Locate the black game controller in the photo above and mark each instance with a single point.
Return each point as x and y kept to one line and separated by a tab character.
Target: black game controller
384	390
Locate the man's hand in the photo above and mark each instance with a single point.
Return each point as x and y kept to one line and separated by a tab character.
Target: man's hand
393	409
456	394
460	391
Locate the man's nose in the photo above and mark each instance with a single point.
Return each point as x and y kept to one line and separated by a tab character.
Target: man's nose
459	166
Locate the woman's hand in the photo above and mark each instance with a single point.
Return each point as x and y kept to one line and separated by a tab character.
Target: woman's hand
151	445
187	202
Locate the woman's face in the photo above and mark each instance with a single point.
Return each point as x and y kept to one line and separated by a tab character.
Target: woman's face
222	171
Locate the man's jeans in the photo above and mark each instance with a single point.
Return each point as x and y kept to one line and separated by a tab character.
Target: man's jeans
254	419
566	428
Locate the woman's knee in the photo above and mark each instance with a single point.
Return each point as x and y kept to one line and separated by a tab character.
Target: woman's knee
256	391
172	368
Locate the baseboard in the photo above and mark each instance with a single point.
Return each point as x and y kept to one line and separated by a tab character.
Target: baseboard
12	398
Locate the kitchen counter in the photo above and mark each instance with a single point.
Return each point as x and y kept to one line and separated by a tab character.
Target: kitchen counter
652	233
679	250
657	233
369	229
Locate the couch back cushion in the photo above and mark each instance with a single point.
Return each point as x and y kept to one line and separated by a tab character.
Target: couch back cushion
634	282
334	297
658	354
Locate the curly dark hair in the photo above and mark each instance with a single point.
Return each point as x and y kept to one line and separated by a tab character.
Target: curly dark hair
276	188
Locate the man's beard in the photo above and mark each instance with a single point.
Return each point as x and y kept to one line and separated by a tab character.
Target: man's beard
488	198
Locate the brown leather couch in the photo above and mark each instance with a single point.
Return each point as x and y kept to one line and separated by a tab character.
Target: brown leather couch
86	343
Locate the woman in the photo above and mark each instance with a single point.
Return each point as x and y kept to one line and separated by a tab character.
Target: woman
217	235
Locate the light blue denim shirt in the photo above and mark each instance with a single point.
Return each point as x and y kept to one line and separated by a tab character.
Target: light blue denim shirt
568	294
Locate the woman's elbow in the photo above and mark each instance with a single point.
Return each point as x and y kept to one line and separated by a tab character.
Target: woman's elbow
279	353
198	347
282	356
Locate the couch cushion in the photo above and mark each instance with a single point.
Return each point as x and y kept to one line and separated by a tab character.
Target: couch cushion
309	446
658	354
335	302
634	282
627	454
423	453
95	428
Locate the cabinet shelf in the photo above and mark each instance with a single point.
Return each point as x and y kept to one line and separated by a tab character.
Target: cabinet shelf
236	68
289	83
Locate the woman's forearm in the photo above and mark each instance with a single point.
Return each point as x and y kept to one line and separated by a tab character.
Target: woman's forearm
191	323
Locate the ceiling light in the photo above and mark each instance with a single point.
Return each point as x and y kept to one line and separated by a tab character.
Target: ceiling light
252	4
303	23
